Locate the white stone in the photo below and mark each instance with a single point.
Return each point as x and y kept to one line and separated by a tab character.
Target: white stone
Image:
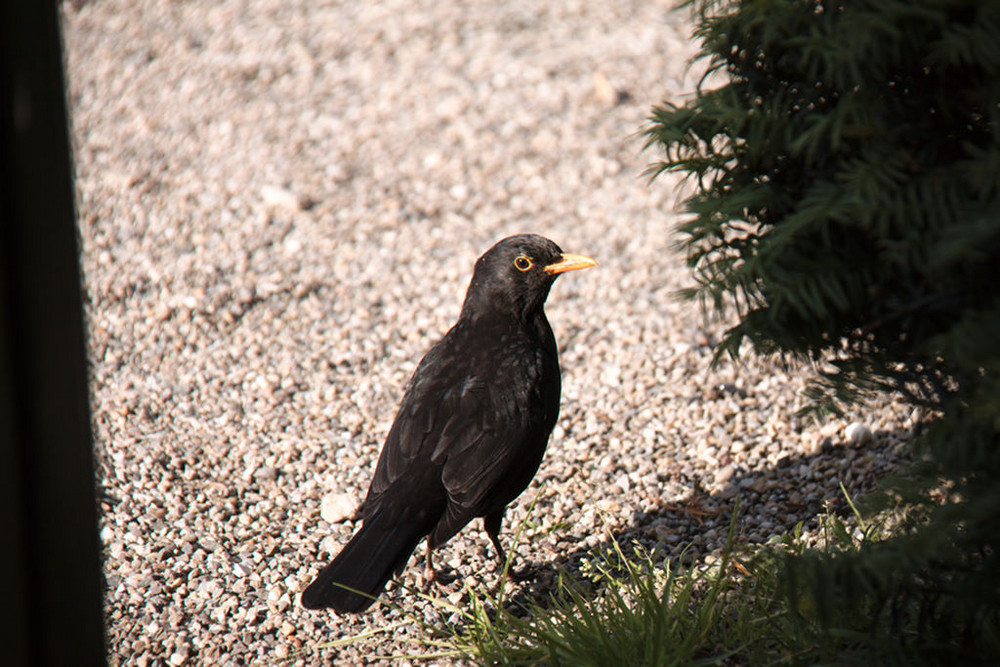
857	433
337	507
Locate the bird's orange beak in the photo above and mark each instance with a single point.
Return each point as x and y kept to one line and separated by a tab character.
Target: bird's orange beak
568	262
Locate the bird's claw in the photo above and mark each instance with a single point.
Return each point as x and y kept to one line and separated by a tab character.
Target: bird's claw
445	577
442	577
521	573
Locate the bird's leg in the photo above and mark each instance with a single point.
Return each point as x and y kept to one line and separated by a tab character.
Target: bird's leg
491	524
430	574
428	565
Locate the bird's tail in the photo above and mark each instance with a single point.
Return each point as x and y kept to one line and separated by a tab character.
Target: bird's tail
380	549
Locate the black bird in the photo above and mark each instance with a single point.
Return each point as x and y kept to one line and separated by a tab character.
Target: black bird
471	429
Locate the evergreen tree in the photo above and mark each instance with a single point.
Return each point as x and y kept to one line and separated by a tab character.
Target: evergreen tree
847	203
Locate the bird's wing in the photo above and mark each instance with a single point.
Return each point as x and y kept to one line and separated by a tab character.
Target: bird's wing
440	393
482	426
433	423
478	456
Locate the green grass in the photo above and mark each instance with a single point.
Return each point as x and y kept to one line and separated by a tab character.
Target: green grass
629	610
633	610
625	607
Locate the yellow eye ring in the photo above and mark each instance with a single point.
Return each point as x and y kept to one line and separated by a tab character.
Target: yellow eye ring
522	263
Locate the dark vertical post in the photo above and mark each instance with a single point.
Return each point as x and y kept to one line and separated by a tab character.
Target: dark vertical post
50	581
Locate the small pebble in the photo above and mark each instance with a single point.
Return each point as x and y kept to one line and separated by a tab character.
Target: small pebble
266	474
280	197
337	507
857	433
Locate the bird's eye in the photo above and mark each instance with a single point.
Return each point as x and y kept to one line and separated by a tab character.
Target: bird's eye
522	263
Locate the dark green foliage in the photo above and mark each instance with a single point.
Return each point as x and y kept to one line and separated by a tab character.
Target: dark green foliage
849	177
848	205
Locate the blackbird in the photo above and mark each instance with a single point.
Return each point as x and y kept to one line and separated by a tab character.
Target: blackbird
470	431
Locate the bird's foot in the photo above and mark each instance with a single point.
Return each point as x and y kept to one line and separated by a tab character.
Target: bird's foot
521	573
445	577
441	577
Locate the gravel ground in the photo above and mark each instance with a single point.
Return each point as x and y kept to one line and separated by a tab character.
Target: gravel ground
281	203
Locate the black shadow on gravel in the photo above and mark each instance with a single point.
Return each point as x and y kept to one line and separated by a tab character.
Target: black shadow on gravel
772	501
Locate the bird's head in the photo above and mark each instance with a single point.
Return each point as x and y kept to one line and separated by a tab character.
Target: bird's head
515	275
